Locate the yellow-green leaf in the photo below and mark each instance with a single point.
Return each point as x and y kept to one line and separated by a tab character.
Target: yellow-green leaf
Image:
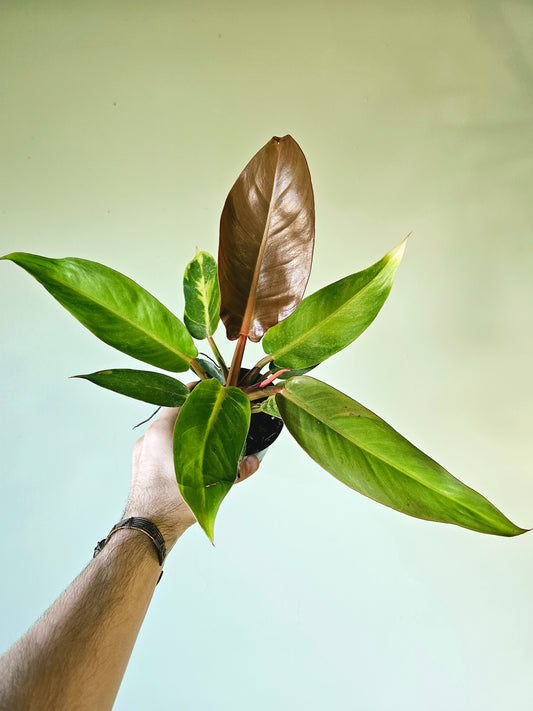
202	296
364	452
331	318
115	308
209	438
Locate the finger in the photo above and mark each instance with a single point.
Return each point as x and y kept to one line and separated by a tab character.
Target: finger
168	415
248	466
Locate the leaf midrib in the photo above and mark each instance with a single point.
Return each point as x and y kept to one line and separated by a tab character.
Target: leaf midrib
251	301
203	299
220	397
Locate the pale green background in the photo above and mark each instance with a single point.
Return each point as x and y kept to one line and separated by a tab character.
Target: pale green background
124	125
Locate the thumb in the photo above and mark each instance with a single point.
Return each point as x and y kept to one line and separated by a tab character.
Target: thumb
248	466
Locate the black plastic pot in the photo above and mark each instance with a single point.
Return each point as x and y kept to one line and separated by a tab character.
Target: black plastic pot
264	430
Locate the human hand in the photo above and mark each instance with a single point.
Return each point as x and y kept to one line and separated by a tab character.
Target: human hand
154	492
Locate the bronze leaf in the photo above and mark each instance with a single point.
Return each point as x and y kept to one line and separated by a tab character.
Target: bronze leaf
267	232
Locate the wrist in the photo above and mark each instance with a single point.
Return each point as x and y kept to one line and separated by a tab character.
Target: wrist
129	553
171	526
142	525
132	541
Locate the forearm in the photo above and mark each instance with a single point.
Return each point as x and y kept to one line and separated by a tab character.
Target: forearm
75	656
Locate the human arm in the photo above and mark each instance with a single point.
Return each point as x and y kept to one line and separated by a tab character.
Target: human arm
75	655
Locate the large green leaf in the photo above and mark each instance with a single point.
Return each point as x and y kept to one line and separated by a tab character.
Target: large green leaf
331	318
365	453
208	440
202	296
156	388
113	307
267	233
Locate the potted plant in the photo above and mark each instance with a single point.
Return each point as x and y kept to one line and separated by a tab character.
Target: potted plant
264	262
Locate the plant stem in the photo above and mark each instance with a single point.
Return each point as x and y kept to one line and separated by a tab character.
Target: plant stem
272	377
254	372
218	356
200	372
264	393
234	371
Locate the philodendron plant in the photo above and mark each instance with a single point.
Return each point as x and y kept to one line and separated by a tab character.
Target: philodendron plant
264	261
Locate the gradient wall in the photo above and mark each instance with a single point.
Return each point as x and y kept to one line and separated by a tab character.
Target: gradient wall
124	125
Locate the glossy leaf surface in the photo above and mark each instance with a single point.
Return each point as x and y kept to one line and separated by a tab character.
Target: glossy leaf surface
155	388
209	437
210	368
113	307
266	240
202	296
331	318
269	406
365	453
